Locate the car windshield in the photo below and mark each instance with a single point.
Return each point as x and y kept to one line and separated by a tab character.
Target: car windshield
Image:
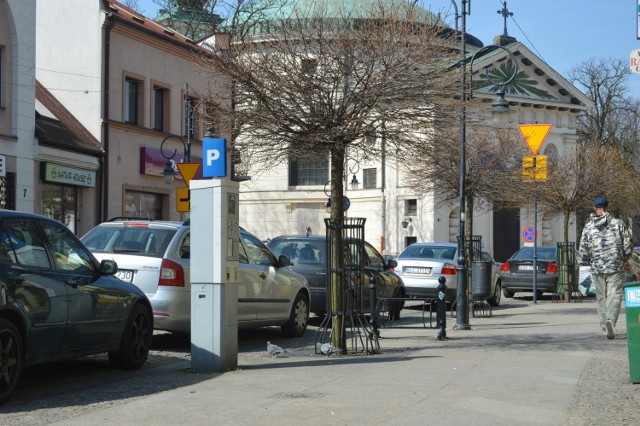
544	253
428	252
141	240
301	251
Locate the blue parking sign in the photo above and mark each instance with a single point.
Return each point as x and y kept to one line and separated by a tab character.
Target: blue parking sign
214	157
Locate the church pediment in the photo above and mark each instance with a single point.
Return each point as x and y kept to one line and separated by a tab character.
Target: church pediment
533	83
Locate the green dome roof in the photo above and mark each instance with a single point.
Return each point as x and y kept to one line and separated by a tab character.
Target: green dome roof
262	13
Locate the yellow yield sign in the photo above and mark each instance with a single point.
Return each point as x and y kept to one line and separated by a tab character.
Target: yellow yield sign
534	135
534	168
188	171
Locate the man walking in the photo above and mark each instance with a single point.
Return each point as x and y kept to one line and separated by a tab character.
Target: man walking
606	246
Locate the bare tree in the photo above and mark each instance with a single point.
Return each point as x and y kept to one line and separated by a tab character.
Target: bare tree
309	82
493	173
133	4
615	117
192	18
580	175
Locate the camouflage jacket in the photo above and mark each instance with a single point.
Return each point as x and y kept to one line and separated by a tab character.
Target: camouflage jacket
605	244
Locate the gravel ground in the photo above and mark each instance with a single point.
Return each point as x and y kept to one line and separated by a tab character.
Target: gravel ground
604	395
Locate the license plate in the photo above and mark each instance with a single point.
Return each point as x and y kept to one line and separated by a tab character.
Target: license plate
525	268
417	270
125	274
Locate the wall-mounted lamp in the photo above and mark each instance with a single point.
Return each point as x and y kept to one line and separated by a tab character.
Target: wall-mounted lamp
168	172
327	207
405	223
354	182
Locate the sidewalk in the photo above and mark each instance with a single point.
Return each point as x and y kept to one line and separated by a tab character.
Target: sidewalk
522	366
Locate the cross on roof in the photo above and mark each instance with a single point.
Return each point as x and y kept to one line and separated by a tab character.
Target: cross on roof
505	14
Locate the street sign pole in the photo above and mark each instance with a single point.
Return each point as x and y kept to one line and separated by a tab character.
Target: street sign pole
534	135
535	237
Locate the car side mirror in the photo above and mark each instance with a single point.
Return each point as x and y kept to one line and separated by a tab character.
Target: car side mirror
108	267
392	264
283	261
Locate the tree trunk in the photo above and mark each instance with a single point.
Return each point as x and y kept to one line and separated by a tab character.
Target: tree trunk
338	340
564	258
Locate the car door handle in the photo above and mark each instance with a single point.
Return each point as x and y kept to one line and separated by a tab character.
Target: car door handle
72	281
263	275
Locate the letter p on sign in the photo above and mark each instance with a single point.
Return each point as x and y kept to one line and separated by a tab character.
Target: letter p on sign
214	152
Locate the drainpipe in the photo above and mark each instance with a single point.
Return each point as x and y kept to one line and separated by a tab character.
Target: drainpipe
103	196
383	203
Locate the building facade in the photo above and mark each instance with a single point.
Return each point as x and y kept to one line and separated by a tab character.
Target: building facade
291	198
18	146
136	88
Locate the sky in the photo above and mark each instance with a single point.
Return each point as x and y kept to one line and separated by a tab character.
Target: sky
563	33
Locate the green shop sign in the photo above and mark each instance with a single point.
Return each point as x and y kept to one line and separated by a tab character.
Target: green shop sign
57	173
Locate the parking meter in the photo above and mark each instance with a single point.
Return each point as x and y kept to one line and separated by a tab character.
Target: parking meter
215	239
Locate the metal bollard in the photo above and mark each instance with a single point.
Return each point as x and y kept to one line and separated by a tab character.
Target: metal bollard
442	309
374	306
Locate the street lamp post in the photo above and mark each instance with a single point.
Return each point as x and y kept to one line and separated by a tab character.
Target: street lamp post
169	170
500	104
462	310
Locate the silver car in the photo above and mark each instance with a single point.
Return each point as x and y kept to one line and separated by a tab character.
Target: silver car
421	265
155	256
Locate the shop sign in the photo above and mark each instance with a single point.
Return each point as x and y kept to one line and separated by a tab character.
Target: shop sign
58	173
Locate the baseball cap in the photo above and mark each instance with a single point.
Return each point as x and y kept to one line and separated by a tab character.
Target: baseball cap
600	202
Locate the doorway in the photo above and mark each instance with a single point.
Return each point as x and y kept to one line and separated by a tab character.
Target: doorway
506	233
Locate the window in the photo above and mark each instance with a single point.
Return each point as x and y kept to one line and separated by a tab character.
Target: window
375	260
309	170
411	207
309	66
21	243
369	177
133	101
159	102
260	254
143	205
212	126
8	192
67	251
59	202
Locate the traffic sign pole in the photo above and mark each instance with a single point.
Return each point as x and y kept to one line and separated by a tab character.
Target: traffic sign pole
535	243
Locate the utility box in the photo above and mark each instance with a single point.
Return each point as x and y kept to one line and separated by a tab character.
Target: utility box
632	309
481	279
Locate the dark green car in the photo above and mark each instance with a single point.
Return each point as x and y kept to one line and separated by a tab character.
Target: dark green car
57	301
308	256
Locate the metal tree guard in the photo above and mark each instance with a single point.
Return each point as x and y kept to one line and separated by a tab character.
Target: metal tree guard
355	328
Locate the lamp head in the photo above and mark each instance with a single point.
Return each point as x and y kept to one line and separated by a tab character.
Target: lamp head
168	173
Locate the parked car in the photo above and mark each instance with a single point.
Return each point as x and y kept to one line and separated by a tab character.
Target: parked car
421	265
516	274
308	255
587	286
155	256
57	301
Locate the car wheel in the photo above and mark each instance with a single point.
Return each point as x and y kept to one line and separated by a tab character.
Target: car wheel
497	295
136	340
508	293
11	358
298	319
